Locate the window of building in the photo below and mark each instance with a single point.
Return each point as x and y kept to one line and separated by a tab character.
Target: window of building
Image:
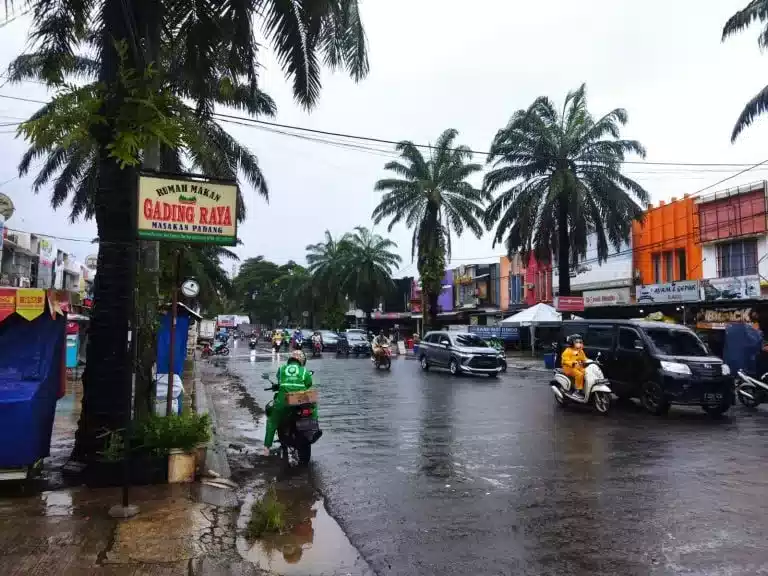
656	261
669	269
737	258
682	273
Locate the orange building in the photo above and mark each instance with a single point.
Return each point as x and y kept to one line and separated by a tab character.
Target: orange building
664	245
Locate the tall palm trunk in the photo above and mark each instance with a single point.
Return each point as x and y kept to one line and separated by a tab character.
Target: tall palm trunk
103	406
563	249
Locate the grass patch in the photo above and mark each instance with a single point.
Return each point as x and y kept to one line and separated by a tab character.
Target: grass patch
267	515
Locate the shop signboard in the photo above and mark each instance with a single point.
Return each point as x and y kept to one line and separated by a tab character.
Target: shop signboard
683	291
736	288
390	315
607	297
187	209
719	318
46	261
506	333
569	303
7	302
30	302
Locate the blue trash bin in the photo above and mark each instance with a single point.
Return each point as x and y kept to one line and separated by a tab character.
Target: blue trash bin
549	360
415	349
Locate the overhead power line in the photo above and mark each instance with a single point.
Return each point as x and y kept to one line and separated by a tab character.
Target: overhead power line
252	121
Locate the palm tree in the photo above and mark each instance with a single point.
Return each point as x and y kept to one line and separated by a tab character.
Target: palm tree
562	180
326	262
434	198
128	35
743	19
369	264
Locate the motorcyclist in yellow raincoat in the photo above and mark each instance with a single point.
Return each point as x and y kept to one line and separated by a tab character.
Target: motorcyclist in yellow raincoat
573	360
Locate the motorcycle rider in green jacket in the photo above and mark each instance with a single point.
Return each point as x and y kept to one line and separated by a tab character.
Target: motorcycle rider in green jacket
291	377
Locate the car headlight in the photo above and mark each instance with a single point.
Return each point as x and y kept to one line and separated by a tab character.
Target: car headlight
675	367
726	370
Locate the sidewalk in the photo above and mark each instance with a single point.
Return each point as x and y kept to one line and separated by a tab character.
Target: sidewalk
49	528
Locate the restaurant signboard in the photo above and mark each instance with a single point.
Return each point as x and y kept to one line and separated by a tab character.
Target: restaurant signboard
187	209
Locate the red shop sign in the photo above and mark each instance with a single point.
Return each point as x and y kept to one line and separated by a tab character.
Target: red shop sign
569	303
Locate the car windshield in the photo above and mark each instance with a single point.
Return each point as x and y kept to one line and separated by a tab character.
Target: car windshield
354	336
470	340
676	342
327	333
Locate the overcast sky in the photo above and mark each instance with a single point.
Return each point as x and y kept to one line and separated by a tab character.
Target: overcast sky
437	64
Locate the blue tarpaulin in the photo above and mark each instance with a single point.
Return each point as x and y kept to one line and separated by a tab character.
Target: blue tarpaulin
180	343
30	377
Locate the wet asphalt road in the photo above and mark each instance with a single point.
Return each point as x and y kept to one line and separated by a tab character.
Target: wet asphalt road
430	474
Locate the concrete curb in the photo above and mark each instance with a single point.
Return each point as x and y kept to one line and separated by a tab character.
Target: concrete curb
216	460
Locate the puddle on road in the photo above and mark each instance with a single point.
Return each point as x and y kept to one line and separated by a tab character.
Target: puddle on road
315	544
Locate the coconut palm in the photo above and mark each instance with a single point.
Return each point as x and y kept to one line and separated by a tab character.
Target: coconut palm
433	197
756	10
561	179
127	36
369	265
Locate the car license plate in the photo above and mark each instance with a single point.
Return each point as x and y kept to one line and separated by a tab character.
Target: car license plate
713	397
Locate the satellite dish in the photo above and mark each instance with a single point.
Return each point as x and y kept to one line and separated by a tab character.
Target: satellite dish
6	207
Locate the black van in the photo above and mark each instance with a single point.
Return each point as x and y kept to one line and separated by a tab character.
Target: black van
659	363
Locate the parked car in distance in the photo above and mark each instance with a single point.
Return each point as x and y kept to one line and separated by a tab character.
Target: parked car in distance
330	340
659	363
353	343
459	352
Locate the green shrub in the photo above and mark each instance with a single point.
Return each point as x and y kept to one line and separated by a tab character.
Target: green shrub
161	434
267	515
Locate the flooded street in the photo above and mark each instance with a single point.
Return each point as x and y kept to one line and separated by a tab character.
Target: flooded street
429	474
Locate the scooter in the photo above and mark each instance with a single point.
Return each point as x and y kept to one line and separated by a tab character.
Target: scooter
219	349
317	349
299	429
751	391
596	389
298	343
383	357
252	343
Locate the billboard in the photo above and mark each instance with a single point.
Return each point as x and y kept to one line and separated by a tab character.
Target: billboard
683	291
607	297
187	210
587	274
735	288
508	333
47	252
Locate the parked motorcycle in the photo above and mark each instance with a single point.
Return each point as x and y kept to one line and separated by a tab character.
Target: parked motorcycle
383	357
751	391
596	388
299	429
252	342
219	349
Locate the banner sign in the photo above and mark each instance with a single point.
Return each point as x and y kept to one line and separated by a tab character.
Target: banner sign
683	291
736	288
7	302
608	297
187	209
569	303
225	321
508	333
30	302
719	318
